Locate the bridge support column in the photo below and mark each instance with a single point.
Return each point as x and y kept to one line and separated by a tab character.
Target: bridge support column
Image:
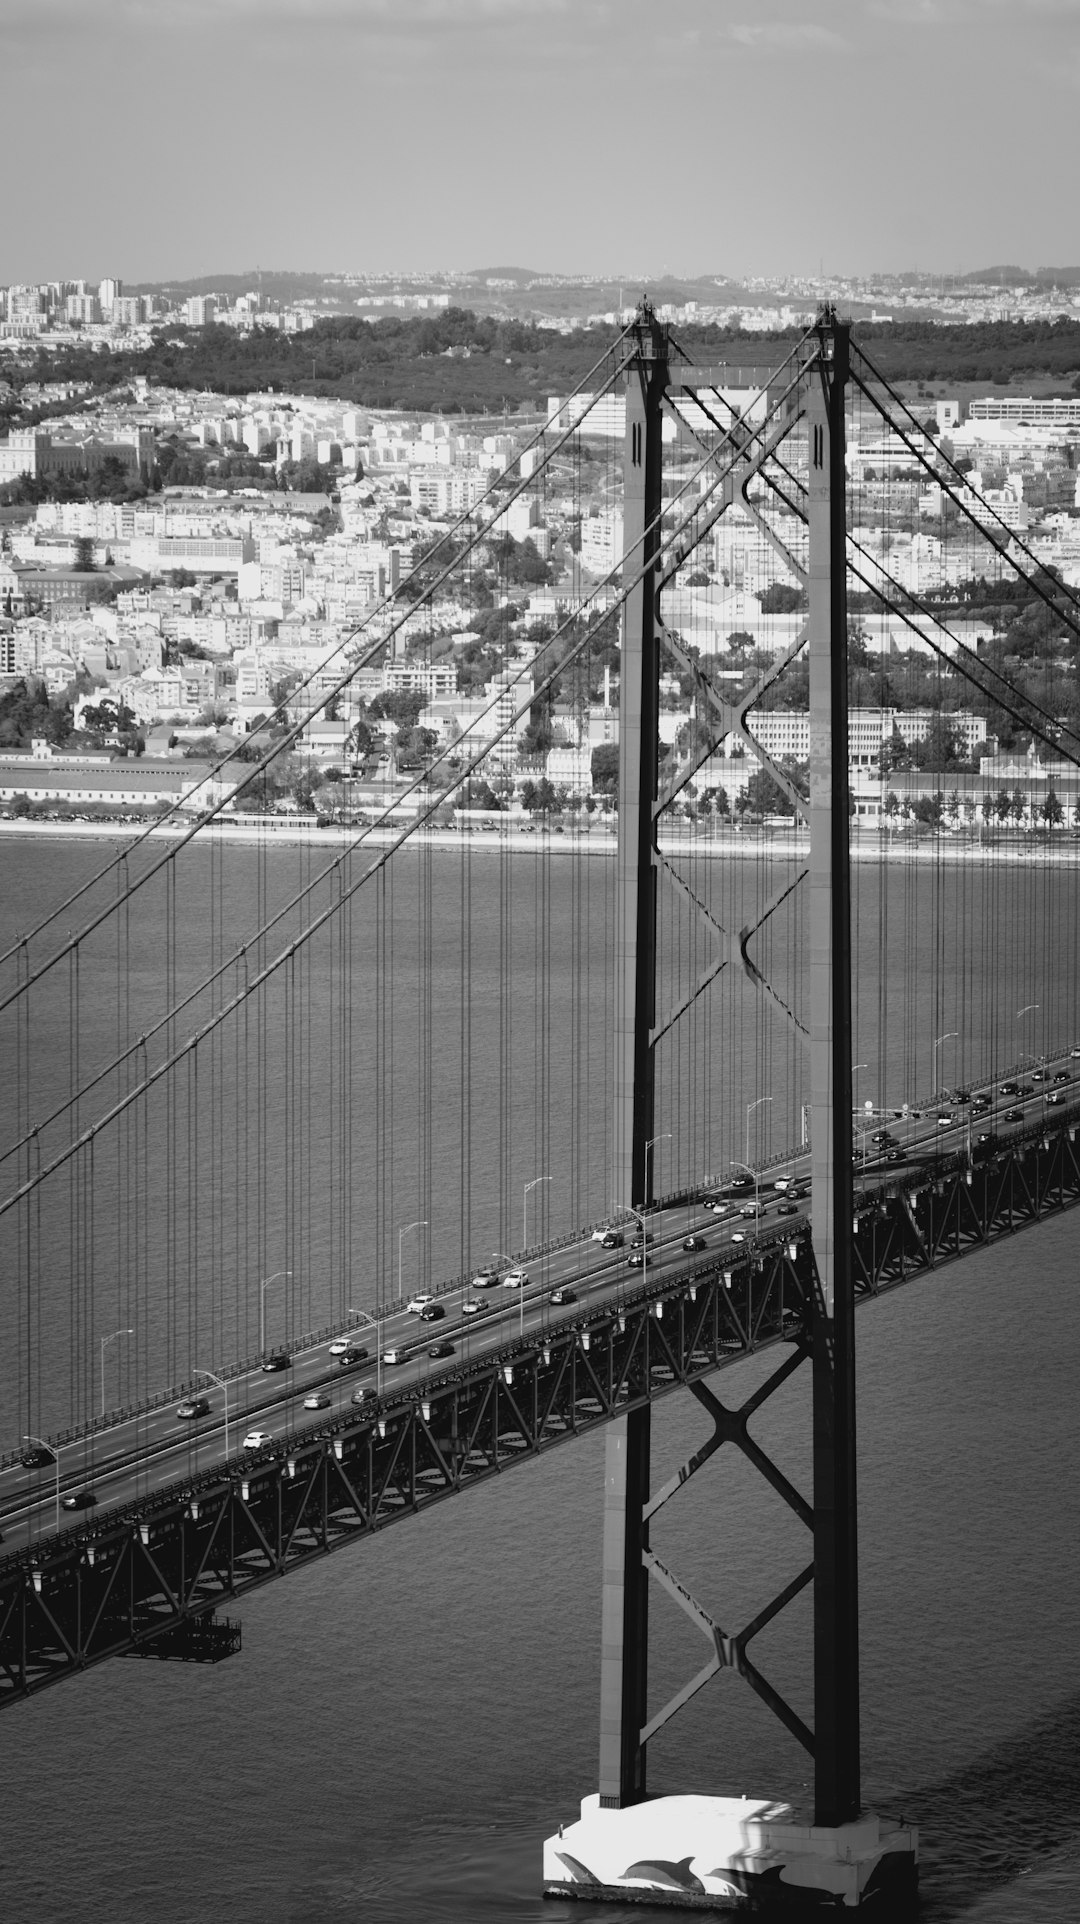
624	1649
836	1618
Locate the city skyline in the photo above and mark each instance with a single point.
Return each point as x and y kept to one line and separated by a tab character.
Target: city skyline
345	131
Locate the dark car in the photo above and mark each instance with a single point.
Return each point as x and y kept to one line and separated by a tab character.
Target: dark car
1062	1075
432	1313
1008	1088
1026	1089
787	1209
1040	1075
193	1406
980	1105
351	1356
274	1363
78	1500
639	1239
37	1458
365	1394
960	1095
741	1182
438	1350
613	1239
1014	1115
1056	1097
564	1294
694	1242
636	1258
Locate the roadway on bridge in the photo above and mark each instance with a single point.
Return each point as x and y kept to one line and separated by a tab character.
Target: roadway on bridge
155	1449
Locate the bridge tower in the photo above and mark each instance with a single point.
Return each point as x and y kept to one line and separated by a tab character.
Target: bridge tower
627	1833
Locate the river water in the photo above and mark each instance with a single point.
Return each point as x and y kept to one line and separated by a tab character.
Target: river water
407	1721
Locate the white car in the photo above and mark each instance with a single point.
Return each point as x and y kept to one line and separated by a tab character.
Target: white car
318	1400
395	1355
416	1303
472	1306
515	1279
257	1439
485	1279
340	1344
599	1234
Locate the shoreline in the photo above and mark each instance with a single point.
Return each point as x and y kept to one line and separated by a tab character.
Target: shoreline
739	845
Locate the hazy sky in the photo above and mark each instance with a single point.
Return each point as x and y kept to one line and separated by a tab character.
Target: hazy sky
154	138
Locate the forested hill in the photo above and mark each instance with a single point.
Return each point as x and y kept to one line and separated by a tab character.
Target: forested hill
458	362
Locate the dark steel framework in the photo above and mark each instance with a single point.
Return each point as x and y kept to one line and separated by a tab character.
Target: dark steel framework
143	1580
815	397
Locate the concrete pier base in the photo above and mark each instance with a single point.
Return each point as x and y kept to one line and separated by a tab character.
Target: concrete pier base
730	1853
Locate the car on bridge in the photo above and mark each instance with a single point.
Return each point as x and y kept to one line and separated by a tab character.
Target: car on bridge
472	1306
395	1355
432	1313
1056	1097
416	1303
193	1406
1062	1075
636	1258
348	1358
485	1279
564	1294
694	1242
1014	1115
340	1344
611	1239
439	1350
365	1394
515	1279
1026	1089
1008	1088
37	1458
787	1209
275	1363
78	1500
257	1440
318	1400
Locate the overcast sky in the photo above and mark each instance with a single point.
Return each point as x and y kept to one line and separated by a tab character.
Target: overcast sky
170	138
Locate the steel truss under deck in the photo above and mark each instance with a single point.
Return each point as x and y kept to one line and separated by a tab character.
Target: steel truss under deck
146	1581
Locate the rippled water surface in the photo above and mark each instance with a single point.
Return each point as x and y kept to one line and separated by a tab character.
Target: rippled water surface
409	1719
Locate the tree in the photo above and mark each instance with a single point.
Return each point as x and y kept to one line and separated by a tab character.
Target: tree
1051	811
1016	806
780	598
1002	804
84	554
605	768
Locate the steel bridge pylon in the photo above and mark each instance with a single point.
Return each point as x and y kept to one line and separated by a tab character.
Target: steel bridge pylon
734	1845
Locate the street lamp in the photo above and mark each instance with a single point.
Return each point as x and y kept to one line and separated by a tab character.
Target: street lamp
949	1036
757	1205
263	1287
750	1107
525	1209
665	1137
55	1454
224	1388
105	1341
420	1223
640	1221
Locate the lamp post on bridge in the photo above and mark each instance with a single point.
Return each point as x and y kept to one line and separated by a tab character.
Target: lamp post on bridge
420	1223
105	1341
665	1136
525	1209
224	1388
263	1287
640	1221
750	1107
52	1451
950	1035
757	1205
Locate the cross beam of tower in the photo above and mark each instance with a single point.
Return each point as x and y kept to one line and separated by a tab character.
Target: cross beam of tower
814	397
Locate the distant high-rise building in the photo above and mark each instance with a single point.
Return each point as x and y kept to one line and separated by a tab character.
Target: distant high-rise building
108	292
199	311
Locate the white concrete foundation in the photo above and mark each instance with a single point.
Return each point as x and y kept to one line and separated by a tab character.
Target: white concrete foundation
717	1853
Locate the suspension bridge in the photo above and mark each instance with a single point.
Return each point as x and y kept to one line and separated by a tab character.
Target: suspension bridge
345	1172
